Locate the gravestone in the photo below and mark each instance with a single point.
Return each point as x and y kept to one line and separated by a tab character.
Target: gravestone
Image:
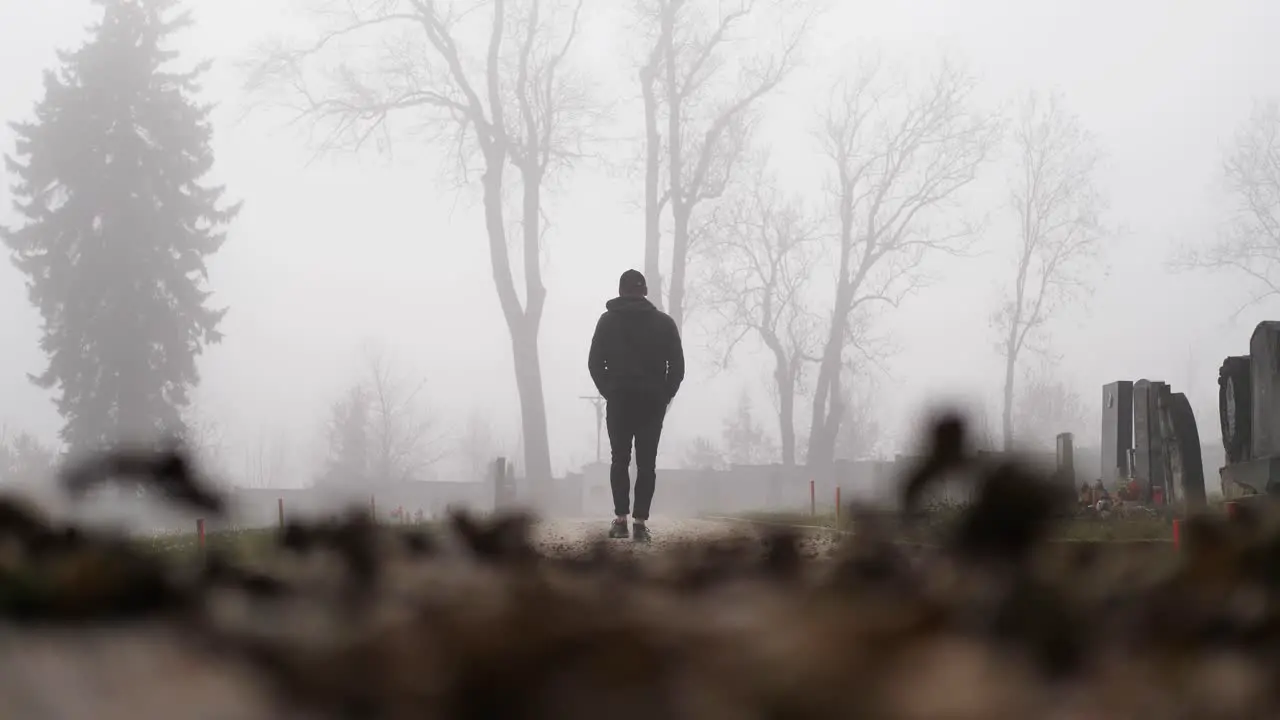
1264	379
1142	431
504	485
1190	480
1117	431
1235	408
1161	440
1255	470
1066	462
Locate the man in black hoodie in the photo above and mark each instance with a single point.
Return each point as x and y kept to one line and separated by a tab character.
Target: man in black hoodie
637	364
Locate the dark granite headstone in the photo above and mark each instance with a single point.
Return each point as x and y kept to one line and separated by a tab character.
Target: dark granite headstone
1187	443
1066	462
1161	429
1142	422
1235	408
1264	377
1117	430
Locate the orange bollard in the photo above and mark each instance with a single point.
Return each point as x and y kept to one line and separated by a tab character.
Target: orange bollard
837	503
1233	510
200	533
280	511
813	500
1177	534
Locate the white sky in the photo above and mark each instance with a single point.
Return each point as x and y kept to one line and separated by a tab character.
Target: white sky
328	255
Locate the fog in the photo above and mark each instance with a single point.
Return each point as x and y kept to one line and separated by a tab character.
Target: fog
344	260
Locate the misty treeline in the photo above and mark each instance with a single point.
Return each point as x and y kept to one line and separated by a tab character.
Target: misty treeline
500	89
116	216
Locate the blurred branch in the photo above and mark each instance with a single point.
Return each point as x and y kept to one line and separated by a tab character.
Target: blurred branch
1249	243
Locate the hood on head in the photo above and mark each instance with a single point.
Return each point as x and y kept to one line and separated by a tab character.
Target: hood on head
628	304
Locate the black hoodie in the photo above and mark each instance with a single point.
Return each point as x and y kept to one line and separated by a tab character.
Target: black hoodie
636	349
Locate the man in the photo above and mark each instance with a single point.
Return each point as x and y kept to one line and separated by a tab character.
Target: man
637	364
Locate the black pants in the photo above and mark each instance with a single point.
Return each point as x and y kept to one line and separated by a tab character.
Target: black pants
634	417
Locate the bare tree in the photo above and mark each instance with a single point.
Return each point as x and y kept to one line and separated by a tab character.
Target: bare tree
1047	407
697	122
381	429
744	440
984	435
702	454
478	447
347	436
404	441
761	267
24	460
512	101
204	436
861	433
893	176
1058	210
266	461
1249	244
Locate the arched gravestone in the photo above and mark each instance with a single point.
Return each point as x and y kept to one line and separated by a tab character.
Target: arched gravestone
1166	442
1186	439
1235	408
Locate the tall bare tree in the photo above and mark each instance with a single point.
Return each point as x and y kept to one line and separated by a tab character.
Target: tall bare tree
1048	406
763	260
700	95
1058	209
204	436
899	156
404	440
512	101
381	429
477	447
861	432
745	442
266	461
1249	244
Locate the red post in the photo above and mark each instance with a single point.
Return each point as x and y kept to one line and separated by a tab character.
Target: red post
200	533
813	500
837	503
1233	510
280	511
1177	534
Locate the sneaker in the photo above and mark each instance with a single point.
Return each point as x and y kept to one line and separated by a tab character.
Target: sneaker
618	529
640	532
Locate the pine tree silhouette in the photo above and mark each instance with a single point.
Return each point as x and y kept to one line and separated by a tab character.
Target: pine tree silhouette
117	225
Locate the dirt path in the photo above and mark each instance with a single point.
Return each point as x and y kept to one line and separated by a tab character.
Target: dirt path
570	536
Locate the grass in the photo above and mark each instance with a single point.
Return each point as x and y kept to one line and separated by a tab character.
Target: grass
244	545
1138	527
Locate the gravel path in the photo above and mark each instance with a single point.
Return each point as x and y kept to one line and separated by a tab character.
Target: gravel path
571	536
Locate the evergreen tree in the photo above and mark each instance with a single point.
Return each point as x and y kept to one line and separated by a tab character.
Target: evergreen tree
349	439
746	441
117	226
702	454
24	459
